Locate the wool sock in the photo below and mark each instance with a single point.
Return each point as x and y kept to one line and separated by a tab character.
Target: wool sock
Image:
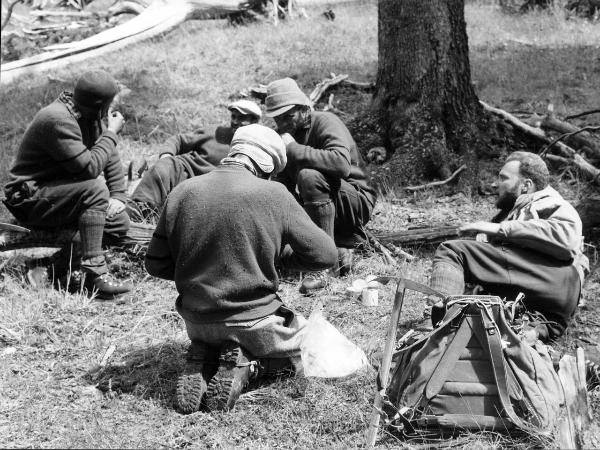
91	229
323	214
447	279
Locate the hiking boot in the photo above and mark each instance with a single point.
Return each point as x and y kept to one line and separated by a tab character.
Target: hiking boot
345	257
235	370
275	368
317	280
105	286
202	361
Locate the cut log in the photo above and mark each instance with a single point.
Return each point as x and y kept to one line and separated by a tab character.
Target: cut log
420	236
22	238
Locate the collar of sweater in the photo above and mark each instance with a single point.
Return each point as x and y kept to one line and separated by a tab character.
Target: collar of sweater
230	162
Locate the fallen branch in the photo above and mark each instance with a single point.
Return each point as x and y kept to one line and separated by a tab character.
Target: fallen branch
572	135
436	183
378	246
9	11
567	135
534	132
582	114
324	85
161	16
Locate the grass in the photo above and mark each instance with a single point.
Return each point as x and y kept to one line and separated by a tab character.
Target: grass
52	342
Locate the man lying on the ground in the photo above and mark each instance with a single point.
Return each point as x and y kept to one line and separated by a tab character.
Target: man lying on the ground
219	237
325	167
184	156
533	246
54	181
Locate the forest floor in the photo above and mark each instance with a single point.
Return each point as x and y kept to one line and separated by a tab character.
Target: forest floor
54	392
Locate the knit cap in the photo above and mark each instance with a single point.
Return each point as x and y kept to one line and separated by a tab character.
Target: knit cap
283	95
93	90
262	145
246	107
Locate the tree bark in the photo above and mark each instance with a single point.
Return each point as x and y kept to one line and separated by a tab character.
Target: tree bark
423	92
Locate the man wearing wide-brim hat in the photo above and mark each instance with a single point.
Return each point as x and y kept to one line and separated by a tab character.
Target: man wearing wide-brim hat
324	166
184	156
220	237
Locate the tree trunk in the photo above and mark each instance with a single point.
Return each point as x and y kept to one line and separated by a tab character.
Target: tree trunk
423	92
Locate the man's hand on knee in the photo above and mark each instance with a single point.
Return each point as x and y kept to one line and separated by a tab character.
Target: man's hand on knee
114	207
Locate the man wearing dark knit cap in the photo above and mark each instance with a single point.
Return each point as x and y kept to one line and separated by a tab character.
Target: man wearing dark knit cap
324	166
220	237
184	156
55	180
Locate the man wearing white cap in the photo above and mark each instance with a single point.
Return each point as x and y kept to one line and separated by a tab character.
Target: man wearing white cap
220	237
324	166
184	156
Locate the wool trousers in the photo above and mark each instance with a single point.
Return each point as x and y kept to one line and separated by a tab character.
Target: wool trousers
352	207
551	287
61	203
275	336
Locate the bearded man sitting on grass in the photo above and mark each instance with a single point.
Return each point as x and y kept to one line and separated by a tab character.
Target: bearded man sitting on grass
534	246
220	237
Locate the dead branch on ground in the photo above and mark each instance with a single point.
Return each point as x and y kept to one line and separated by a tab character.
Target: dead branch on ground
9	11
436	183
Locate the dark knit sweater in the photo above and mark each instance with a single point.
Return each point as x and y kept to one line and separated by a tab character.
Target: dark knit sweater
328	147
220	236
199	151
61	145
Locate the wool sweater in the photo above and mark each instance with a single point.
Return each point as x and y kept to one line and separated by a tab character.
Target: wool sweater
200	151
328	147
220	236
61	145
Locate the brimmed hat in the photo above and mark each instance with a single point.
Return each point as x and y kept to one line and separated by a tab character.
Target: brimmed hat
262	145
283	95
246	107
93	90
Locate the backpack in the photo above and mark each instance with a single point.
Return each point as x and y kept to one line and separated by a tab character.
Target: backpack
472	372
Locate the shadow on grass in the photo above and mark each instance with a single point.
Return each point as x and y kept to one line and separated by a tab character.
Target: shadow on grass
148	373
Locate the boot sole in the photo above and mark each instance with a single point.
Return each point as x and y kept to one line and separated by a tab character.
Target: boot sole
191	388
225	387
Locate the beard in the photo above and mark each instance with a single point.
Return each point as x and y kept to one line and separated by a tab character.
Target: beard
506	201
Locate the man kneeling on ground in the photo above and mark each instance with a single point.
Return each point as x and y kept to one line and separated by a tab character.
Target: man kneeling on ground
533	246
220	237
184	156
55	180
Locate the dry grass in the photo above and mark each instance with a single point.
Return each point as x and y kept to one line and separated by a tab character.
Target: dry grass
51	342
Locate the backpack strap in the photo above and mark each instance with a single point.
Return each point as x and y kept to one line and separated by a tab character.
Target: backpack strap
448	359
494	342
